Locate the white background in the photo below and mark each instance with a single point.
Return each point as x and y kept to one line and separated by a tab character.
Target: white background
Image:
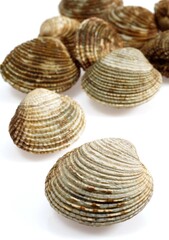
24	210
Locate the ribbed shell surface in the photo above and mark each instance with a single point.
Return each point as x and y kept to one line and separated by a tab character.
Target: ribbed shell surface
162	14
45	122
100	183
123	78
40	63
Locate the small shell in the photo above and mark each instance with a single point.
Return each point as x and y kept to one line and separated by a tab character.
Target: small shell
136	25
123	78
63	28
94	39
40	63
46	122
162	14
157	51
81	10
100	183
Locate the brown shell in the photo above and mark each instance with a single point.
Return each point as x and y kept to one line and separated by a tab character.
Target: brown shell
83	9
162	14
40	63
94	39
157	51
135	24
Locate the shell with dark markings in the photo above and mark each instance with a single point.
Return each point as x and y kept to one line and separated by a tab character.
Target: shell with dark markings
162	14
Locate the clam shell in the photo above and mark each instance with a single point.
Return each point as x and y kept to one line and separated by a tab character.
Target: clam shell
123	78
45	122
40	63
162	14
94	39
100	183
135	24
82	9
157	51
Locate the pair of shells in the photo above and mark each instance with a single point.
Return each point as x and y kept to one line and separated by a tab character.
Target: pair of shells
162	14
135	24
45	122
100	183
123	78
82	9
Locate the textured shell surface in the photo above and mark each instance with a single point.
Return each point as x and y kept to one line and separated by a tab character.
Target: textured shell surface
45	122
157	51
100	183
94	39
162	14
83	9
135	24
40	63
123	78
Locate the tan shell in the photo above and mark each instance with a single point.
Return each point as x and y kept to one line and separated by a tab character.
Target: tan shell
123	78
100	183
157	51
61	27
94	39
41	62
45	122
135	24
162	14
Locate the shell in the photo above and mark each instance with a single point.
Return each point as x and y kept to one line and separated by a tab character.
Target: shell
61	27
94	39
40	63
162	14
135	24
45	122
83	9
123	78
100	183
157	51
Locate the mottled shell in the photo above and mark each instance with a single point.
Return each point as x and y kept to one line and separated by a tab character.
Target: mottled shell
40	63
135	24
100	183
61	27
123	78
162	14
82	9
46	122
94	39
157	51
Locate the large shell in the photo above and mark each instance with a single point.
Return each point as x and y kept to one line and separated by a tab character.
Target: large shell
157	51
82	9
135	24
61	27
94	39
40	63
100	183
123	78
162	14
46	122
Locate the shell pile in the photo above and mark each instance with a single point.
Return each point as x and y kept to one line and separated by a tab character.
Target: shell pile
46	122
99	183
94	39
82	9
162	14
123	78
40	63
136	25
157	51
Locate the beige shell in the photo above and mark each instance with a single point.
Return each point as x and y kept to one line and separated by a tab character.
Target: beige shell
162	14
45	122
135	24
100	183
157	51
40	63
123	78
94	39
61	27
